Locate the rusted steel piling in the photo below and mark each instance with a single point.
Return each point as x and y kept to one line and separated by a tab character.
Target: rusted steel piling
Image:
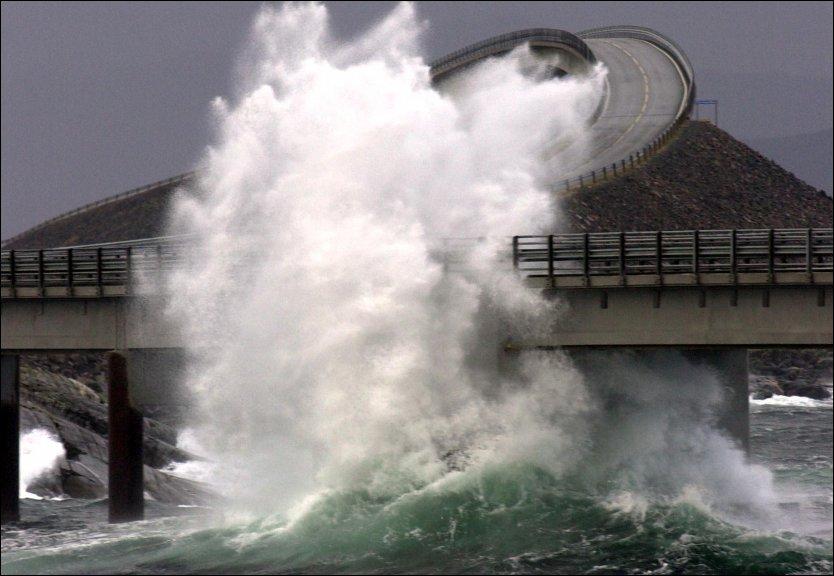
126	491
10	418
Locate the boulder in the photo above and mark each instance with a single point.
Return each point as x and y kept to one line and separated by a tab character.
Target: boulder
762	387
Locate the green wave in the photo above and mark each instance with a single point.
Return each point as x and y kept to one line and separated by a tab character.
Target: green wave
508	519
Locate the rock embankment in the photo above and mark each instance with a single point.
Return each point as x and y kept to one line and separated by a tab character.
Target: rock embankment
790	373
66	396
704	179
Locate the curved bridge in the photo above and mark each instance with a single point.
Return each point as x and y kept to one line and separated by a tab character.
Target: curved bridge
650	88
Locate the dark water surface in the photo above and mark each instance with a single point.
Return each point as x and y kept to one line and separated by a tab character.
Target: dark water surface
514	519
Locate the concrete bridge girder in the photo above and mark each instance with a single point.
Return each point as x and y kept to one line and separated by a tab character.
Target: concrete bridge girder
649	316
693	317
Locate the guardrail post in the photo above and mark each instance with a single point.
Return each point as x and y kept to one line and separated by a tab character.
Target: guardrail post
515	252
10	409
658	245
733	254
771	249
593	176
733	275
614	166
586	262
70	279
696	255
631	160
40	273
808	256
129	270
124	438
99	279
12	273
604	173
550	261
622	259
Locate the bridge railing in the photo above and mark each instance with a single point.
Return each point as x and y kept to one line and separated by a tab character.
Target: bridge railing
112	269
689	252
639	157
506	42
99	266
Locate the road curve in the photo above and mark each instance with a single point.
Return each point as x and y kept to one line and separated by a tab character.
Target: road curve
649	88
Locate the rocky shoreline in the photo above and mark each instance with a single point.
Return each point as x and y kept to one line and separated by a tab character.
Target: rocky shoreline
66	396
790	373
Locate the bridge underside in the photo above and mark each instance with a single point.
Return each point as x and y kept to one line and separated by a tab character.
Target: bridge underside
632	317
690	317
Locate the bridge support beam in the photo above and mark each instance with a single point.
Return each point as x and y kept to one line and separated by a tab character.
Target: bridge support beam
606	372
156	383
10	418
125	475
730	366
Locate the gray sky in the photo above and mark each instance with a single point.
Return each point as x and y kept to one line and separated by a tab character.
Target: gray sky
101	97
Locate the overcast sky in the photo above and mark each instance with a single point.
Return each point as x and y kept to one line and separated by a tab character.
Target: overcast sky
101	97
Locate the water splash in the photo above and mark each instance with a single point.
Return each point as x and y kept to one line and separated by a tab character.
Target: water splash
40	453
334	351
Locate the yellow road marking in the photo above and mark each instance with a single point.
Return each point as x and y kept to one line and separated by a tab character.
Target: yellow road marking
645	92
642	108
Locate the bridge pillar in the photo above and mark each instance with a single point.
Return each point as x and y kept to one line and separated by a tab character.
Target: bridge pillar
730	366
599	368
126	495
10	395
156	378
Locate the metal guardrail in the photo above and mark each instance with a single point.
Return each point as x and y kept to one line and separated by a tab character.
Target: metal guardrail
96	266
693	253
113	269
648	35
638	157
506	42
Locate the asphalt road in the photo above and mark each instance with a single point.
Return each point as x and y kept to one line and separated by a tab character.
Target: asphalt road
645	94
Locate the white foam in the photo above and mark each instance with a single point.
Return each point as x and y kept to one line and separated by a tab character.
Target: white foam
333	352
340	354
792	402
201	470
40	454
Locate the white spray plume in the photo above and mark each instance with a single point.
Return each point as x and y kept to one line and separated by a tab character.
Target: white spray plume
332	350
331	344
40	453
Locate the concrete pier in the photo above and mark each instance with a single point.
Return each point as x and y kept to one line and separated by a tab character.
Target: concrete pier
730	366
606	376
126	490
10	418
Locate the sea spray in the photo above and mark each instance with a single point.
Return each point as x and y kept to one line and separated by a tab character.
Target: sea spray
40	454
333	350
337	350
422	454
656	435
